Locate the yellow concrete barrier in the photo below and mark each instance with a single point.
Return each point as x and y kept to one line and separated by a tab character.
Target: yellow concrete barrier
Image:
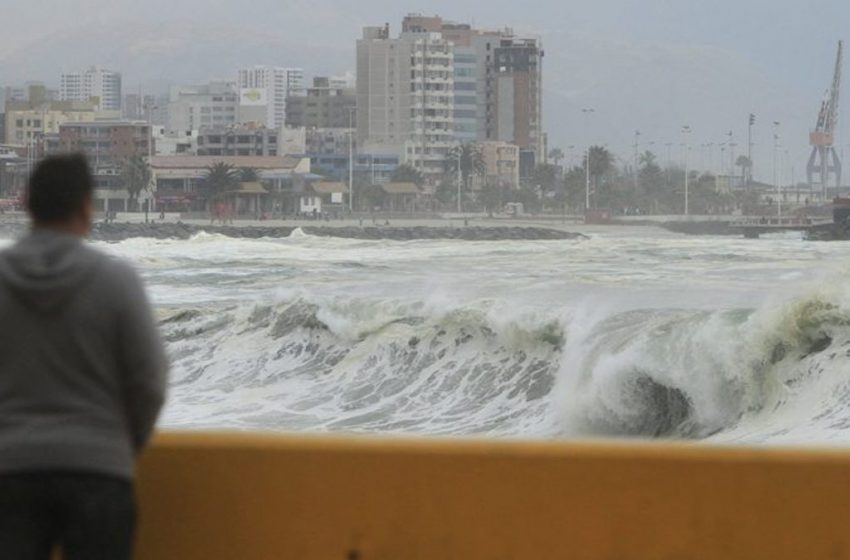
251	497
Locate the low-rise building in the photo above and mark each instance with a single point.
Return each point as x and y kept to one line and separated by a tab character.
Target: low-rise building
27	122
108	145
324	198
179	180
238	140
501	161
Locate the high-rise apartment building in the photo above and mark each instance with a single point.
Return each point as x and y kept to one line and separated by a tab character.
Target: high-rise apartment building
439	84
269	86
405	97
93	82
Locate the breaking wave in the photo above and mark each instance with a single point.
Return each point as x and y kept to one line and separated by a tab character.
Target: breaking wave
779	372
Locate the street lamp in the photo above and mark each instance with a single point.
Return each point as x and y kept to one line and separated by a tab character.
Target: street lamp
459	179
686	130
351	160
587	113
775	177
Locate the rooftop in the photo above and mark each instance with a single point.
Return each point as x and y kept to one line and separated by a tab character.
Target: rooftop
199	162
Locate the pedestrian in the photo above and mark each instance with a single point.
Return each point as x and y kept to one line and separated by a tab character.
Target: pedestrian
82	379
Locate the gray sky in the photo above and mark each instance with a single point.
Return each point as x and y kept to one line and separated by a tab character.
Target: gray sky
649	65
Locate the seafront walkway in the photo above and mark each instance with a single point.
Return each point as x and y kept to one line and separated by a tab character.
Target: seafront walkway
252	497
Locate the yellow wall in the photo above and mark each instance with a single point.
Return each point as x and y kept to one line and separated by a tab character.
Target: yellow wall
250	497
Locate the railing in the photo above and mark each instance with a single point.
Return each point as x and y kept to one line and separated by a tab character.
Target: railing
252	497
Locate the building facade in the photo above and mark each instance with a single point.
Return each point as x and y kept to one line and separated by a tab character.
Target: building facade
195	107
269	87
440	84
501	161
405	97
27	123
239	140
325	105
106	143
94	82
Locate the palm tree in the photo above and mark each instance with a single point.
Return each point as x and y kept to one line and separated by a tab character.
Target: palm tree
471	161
249	174
136	175
406	173
556	155
220	177
745	164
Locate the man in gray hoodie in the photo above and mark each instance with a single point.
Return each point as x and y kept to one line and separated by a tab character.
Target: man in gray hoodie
82	379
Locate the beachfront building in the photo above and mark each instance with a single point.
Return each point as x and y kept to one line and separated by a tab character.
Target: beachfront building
405	97
179	180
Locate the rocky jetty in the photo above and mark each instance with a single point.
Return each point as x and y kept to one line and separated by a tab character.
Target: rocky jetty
122	231
702	228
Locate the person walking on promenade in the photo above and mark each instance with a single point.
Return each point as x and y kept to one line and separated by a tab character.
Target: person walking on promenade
82	379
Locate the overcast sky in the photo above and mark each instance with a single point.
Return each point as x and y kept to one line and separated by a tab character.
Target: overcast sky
651	65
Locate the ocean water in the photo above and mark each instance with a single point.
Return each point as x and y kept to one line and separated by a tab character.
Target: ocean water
632	333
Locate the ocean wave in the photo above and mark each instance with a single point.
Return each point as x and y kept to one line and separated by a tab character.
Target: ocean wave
480	368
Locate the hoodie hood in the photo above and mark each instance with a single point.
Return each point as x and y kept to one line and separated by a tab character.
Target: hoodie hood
45	269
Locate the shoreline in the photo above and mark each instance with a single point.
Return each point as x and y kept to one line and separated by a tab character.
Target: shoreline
114	232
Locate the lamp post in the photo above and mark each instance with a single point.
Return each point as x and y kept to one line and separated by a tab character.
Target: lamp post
459	180
587	113
351	160
775	176
686	131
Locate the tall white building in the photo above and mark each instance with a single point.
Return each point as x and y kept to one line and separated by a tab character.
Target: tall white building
269	86
92	82
196	107
405	97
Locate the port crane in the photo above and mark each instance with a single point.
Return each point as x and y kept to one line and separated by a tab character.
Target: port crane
824	161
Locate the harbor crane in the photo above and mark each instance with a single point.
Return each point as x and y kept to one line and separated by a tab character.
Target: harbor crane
824	162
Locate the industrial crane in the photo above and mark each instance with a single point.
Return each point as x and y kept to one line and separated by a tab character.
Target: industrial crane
824	159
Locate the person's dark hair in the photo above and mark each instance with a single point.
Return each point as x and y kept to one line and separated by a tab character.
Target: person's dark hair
59	187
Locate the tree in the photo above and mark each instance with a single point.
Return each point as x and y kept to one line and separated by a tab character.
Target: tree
745	164
249	174
491	198
406	173
471	161
574	188
136	175
556	155
601	164
219	178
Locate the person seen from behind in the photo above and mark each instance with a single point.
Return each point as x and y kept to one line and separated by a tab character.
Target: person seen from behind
82	379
